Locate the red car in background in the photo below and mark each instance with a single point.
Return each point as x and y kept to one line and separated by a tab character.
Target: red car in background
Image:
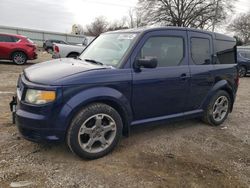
17	48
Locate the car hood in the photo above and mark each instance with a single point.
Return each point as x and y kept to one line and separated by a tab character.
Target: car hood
49	72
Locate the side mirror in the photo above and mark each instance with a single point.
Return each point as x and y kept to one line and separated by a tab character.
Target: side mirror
146	63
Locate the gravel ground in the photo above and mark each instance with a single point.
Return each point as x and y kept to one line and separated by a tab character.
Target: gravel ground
181	154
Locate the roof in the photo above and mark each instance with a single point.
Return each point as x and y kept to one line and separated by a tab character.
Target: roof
13	35
217	36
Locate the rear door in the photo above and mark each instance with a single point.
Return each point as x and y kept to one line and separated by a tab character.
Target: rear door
6	45
201	68
161	91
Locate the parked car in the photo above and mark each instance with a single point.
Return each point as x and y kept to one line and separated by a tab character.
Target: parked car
48	44
127	78
65	51
243	59
17	48
72	51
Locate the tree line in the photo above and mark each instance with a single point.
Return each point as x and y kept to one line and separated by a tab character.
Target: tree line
201	14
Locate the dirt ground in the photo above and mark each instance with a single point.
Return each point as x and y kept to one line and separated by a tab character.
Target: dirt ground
181	154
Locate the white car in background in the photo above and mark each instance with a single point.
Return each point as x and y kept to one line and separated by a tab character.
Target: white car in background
63	50
66	50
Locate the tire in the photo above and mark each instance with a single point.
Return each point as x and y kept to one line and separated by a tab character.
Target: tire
50	50
88	135
19	58
242	71
73	55
217	110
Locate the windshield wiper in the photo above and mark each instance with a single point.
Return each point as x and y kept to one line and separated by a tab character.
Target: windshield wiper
93	61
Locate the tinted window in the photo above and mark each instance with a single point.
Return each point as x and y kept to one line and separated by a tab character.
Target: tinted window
15	39
6	38
200	51
245	54
226	52
169	51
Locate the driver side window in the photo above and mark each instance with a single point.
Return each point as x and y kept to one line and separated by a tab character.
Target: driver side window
169	51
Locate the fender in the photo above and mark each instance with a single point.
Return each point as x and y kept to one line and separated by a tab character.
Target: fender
220	85
98	94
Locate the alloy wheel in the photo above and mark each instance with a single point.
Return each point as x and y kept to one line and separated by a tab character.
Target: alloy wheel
220	108
97	133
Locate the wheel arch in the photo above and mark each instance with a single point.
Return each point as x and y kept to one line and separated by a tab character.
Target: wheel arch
73	53
18	50
220	85
108	96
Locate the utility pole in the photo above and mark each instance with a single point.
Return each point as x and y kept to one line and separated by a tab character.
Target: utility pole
216	14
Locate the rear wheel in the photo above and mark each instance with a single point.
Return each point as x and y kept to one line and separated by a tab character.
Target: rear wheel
95	131
242	71
19	58
73	55
218	109
50	50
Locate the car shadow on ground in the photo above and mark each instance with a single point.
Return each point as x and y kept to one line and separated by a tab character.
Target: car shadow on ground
136	132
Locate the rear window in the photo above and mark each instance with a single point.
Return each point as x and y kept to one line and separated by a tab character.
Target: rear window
245	54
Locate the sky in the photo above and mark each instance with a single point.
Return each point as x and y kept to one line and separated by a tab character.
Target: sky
60	15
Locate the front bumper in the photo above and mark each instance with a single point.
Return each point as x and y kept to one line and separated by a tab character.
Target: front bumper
34	127
38	123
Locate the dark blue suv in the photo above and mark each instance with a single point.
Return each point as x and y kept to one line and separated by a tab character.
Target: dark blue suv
243	59
126	78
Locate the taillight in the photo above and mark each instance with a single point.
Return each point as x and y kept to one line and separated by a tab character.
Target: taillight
56	48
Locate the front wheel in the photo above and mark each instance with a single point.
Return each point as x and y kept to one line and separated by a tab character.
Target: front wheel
19	58
218	109
95	131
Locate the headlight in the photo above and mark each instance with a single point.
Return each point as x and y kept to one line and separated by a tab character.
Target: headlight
39	96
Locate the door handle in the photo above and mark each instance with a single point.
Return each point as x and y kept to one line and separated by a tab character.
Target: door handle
183	76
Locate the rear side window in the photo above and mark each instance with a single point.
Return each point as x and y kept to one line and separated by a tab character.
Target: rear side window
15	39
169	51
201	51
4	38
225	52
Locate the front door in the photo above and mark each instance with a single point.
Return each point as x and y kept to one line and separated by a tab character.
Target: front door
161	91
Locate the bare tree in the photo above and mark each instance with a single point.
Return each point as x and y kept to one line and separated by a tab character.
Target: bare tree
98	26
241	27
135	18
118	25
186	13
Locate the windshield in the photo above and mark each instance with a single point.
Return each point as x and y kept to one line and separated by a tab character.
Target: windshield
109	49
245	54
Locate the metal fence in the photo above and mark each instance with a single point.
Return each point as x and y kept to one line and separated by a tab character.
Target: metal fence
39	36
